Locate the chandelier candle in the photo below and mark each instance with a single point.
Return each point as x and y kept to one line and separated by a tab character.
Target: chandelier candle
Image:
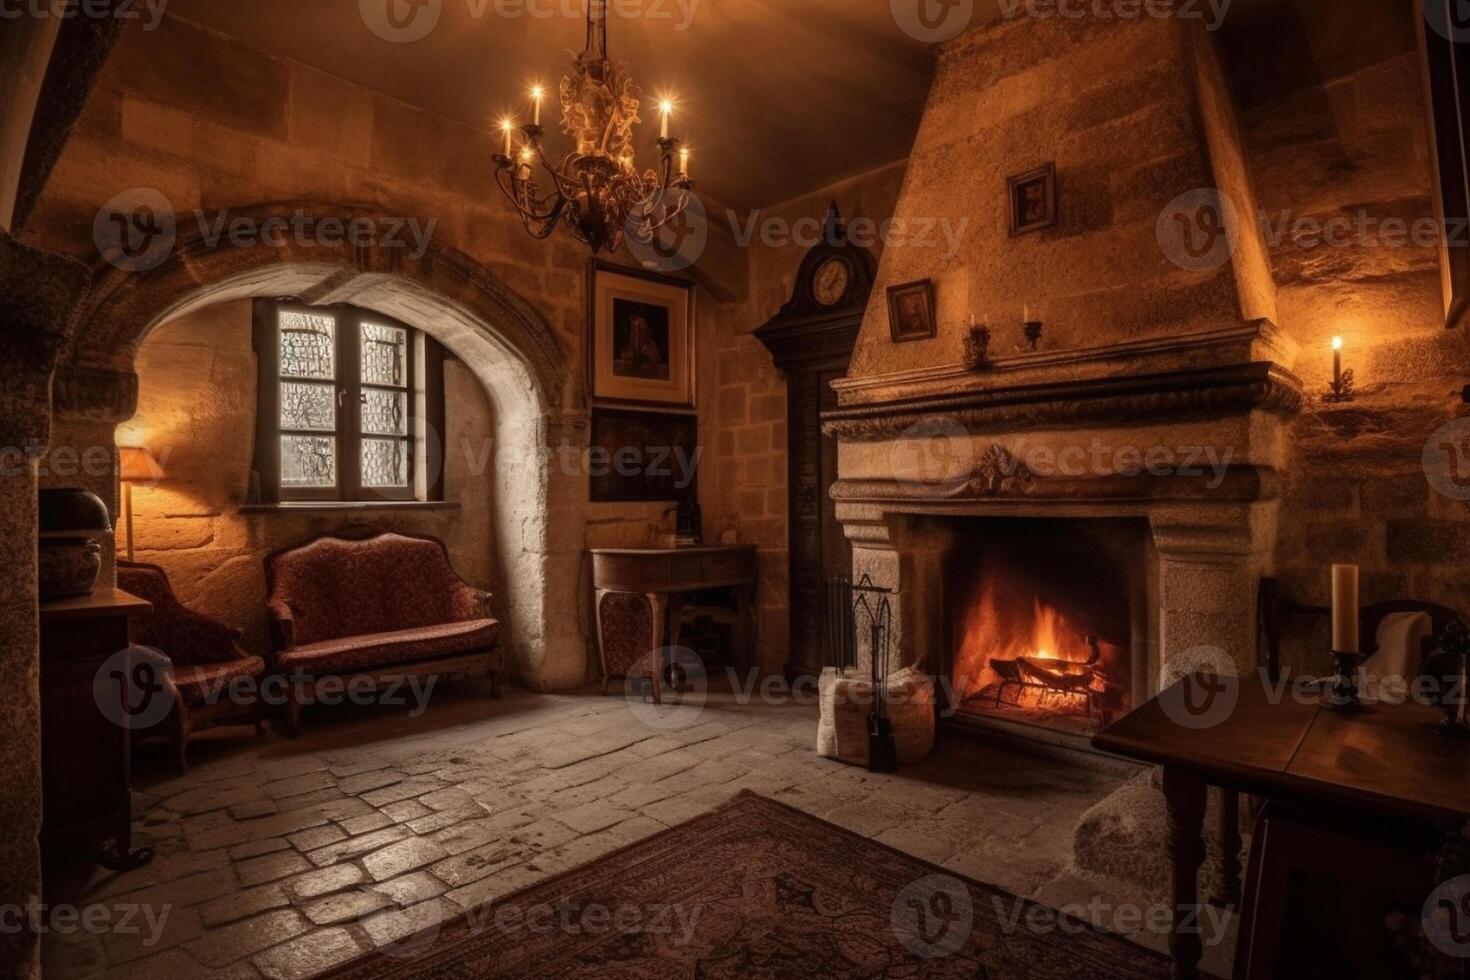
597	191
684	161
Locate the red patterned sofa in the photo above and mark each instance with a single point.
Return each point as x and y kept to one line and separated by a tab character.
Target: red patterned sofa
382	608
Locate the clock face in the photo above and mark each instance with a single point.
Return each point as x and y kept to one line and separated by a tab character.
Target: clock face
830	283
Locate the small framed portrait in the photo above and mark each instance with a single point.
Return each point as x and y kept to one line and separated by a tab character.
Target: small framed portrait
1033	199
640	337
643	455
911	311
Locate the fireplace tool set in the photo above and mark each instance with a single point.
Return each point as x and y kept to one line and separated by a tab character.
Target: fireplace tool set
867	608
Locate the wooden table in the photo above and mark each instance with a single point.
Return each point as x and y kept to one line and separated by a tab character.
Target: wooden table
663	578
1386	762
86	781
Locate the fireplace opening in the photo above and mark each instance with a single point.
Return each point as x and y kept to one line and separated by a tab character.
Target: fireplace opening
1048	622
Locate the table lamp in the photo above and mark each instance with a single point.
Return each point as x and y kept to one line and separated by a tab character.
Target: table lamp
135	465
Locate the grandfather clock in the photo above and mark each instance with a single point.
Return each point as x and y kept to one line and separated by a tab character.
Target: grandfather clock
811	341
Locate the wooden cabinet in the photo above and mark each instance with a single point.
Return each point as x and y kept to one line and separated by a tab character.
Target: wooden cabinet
811	341
85	766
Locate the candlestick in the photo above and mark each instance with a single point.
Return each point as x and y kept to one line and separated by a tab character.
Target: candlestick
536	96
1336	362
684	161
505	127
1345	608
667	108
1341	389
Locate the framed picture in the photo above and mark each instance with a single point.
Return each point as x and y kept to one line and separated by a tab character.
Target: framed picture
641	455
911	311
640	337
1033	199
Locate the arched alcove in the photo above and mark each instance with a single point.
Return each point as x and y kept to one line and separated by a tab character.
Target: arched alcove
537	399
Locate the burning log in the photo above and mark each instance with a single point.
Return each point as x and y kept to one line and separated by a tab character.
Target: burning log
1051	676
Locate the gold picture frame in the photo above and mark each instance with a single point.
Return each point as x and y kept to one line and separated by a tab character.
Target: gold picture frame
640	337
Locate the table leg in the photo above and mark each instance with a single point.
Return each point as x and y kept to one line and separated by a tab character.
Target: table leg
1184	799
1229	829
658	604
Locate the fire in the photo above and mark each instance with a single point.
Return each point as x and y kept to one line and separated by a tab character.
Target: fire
1007	627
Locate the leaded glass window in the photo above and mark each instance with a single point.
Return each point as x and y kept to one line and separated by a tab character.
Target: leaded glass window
339	392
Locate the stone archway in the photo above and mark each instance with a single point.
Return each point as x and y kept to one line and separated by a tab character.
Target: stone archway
537	398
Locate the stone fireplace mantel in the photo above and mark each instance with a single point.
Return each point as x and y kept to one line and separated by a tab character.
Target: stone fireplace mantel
1184	434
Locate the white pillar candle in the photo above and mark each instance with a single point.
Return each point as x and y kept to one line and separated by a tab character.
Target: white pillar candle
536	95
684	161
666	108
1345	608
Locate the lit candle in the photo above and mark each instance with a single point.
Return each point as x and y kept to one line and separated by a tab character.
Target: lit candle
1027	315
505	127
1345	608
536	96
684	161
667	108
1336	361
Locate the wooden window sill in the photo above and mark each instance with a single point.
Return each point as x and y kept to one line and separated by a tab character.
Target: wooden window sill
337	506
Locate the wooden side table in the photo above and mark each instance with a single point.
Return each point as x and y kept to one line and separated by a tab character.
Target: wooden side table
640	593
1386	766
86	778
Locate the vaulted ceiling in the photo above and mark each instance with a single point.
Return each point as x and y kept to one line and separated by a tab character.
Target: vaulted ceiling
778	97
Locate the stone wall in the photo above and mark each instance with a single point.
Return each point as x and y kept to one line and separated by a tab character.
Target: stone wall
1332	115
746	480
196	413
219	127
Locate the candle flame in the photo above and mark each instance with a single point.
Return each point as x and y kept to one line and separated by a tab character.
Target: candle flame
1337	343
666	106
537	92
506	125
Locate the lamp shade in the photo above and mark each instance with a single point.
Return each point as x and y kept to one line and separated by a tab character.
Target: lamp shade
137	465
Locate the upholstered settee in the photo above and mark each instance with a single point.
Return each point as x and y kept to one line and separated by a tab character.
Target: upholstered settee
382	608
206	660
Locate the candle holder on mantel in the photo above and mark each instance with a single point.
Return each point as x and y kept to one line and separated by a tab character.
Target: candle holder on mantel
1033	330
1341	691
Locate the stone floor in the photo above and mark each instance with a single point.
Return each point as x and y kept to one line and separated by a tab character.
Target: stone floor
280	858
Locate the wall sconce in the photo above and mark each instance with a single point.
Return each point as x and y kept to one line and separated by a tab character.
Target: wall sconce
1341	389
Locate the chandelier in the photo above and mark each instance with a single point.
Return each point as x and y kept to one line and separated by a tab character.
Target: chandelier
598	189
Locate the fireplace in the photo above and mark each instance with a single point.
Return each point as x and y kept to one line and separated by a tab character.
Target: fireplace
1047	622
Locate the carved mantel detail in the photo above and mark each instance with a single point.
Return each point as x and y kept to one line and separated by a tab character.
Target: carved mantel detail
1000	473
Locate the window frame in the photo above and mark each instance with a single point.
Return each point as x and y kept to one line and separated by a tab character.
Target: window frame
423	391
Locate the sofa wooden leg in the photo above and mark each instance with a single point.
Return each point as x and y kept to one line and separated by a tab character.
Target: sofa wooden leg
293	715
606	680
181	739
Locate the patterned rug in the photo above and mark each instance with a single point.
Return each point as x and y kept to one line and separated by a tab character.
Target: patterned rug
757	889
